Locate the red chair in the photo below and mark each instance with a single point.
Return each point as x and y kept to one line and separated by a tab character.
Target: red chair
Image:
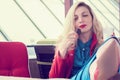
13	59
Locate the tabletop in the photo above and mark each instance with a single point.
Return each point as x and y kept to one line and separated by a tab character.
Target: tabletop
23	78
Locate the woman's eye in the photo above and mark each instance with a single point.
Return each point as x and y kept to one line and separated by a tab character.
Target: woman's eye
75	18
85	15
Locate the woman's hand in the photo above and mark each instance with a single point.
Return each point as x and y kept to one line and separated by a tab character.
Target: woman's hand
68	43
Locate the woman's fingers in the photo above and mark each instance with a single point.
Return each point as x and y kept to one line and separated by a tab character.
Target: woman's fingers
72	38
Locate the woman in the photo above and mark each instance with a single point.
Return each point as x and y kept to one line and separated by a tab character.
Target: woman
82	36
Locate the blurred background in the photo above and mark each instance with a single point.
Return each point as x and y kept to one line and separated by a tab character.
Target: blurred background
30	21
38	23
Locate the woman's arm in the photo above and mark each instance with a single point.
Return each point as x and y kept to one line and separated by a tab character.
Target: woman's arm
57	67
116	77
107	61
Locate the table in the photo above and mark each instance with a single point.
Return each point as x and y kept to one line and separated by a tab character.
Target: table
23	78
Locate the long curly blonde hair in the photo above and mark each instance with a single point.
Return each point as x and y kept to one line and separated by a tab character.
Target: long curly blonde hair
69	24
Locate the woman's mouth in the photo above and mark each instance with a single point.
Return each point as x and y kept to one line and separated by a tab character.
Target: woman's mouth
82	26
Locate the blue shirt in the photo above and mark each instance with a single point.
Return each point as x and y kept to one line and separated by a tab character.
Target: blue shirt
81	55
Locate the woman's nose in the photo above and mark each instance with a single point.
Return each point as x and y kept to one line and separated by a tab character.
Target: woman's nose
80	20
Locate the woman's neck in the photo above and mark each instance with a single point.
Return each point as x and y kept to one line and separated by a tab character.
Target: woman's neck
84	37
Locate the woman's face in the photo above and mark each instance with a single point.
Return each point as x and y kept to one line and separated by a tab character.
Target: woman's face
83	19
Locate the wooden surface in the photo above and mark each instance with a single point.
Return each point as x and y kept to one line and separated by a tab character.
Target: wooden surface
22	78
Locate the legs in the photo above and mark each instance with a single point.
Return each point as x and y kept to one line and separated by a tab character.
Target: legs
107	61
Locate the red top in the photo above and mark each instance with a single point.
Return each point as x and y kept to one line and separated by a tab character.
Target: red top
61	68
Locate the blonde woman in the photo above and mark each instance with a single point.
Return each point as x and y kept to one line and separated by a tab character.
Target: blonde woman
78	43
